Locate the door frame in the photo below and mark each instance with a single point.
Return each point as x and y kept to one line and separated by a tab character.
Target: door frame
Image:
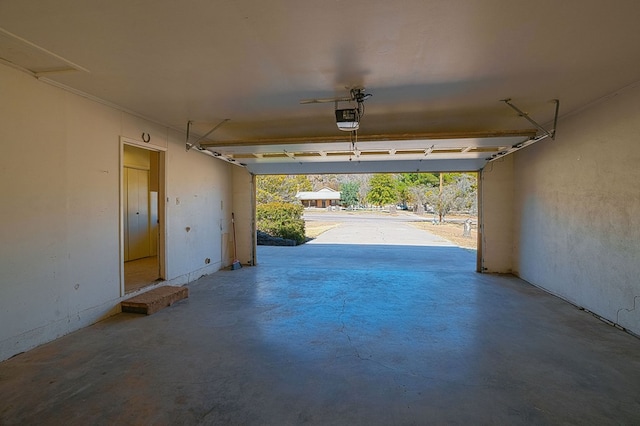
162	251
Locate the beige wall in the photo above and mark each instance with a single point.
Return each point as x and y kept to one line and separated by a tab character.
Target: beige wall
244	207
60	257
199	199
496	216
577	210
564	214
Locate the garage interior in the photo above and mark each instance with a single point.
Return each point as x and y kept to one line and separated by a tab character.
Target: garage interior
540	98
402	334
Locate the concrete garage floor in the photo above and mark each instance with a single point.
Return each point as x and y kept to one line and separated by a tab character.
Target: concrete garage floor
332	333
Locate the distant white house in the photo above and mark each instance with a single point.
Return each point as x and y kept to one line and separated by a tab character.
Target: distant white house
324	198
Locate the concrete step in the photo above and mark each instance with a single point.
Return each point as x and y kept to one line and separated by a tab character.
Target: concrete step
153	300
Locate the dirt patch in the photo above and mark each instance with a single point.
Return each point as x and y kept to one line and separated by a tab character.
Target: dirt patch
313	229
451	232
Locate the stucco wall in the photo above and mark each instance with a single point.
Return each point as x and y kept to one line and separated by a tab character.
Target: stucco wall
577	210
496	216
244	203
199	199
60	213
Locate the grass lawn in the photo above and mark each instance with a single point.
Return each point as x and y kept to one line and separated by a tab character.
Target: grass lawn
313	228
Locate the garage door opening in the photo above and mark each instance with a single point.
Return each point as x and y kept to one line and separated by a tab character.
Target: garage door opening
436	209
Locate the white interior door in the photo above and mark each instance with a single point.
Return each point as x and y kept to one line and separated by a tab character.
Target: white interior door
137	233
154	220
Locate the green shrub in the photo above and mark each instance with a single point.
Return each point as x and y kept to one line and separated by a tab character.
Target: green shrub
282	220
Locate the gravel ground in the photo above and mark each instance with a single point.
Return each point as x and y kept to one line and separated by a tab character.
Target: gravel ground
451	232
317	222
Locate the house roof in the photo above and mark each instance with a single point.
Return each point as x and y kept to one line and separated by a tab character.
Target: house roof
323	194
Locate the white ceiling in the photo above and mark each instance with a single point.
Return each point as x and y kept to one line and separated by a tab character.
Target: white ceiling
437	71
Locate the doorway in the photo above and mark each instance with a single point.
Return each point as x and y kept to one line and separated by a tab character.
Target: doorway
141	217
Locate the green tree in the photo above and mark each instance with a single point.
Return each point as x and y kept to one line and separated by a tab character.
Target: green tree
459	192
466	192
323	181
413	186
349	194
419	179
419	197
282	220
403	192
442	202
383	190
280	188
302	183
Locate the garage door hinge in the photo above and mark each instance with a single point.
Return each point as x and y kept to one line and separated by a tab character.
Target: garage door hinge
545	133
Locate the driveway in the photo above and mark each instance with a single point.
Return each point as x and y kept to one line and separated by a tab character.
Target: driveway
371	228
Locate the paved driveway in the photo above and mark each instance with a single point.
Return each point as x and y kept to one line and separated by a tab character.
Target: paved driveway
375	229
